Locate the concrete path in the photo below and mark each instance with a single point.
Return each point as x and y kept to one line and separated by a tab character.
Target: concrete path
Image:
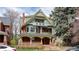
54	48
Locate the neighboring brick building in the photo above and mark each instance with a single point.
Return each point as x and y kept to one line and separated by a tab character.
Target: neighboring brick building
4	30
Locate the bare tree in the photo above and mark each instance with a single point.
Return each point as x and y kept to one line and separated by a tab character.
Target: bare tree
12	15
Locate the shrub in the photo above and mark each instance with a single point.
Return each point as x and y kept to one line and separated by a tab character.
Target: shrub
13	42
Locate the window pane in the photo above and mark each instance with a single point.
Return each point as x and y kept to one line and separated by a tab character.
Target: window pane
32	29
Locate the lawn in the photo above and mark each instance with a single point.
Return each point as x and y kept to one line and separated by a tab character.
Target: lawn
44	48
28	49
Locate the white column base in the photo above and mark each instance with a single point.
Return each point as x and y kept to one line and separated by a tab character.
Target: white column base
5	40
31	41
41	41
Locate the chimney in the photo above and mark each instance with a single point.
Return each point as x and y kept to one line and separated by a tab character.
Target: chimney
1	25
23	18
23	22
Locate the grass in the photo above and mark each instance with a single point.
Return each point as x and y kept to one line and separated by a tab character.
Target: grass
28	49
37	48
54	48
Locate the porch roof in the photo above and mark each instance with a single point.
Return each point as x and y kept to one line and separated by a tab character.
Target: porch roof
36	35
3	33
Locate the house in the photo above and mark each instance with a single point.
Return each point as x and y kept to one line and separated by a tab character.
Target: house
4	30
36	30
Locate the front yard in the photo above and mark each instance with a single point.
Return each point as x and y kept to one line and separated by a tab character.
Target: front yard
44	48
28	48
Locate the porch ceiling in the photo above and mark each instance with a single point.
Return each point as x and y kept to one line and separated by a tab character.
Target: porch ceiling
36	35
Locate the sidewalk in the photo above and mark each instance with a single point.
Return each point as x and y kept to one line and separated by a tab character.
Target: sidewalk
55	48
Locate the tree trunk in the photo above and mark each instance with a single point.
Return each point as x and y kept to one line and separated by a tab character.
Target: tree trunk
11	30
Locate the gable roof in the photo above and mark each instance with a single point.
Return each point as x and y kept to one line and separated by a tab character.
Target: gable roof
38	14
5	20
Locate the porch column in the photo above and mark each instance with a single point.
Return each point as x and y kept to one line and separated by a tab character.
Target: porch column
29	29
20	42
50	40
35	29
30	41
40	29
41	41
53	31
5	40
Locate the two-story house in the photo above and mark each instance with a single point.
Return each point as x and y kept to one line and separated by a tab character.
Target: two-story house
36	30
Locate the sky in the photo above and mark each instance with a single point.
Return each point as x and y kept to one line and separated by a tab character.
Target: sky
27	10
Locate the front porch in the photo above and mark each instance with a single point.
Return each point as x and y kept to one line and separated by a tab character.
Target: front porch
32	40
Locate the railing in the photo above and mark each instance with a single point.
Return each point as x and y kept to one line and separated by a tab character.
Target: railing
46	33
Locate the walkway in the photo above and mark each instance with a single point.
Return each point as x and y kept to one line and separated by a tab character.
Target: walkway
54	48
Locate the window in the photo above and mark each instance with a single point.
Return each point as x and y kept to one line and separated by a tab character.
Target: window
32	29
39	21
27	29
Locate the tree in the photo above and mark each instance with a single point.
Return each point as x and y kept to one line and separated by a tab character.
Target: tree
12	15
62	17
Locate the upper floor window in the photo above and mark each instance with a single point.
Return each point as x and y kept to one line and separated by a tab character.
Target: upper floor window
39	21
27	29
32	29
